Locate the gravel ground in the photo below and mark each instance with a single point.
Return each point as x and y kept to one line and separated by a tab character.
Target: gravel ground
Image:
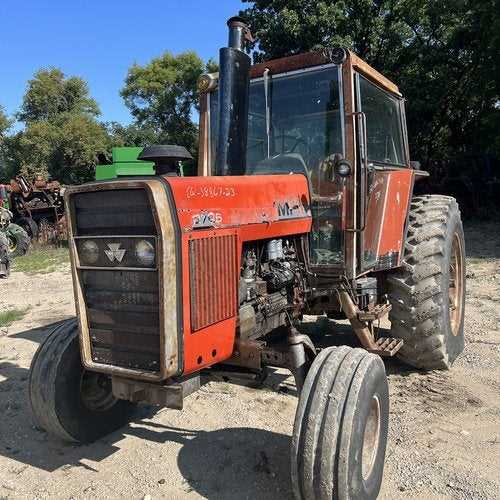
233	442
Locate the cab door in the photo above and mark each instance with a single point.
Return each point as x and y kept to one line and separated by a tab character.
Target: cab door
385	181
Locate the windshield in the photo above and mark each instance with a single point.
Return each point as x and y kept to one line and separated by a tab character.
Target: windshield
305	124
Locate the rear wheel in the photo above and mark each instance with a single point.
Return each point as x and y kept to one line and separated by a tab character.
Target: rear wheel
68	401
428	293
4	256
29	225
19	241
340	430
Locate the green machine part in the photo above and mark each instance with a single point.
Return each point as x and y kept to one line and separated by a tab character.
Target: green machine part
125	162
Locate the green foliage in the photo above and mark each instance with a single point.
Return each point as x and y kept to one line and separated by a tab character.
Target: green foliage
61	137
5	123
161	96
445	56
12	315
131	135
50	93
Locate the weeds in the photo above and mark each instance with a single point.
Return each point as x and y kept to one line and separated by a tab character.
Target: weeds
12	315
41	260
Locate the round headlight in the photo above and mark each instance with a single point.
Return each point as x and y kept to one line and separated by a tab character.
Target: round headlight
89	252
145	252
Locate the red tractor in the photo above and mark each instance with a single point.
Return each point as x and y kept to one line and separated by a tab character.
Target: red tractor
303	205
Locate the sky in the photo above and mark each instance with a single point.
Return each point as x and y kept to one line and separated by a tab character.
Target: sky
100	40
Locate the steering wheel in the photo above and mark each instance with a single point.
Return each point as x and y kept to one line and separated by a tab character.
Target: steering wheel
297	140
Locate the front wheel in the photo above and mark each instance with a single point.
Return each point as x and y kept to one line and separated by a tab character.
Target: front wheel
68	401
340	430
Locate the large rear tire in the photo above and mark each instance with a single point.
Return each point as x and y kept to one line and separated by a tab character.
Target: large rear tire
68	401
340	430
428	293
4	256
29	225
19	240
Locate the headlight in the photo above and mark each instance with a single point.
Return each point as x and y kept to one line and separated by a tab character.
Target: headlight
89	252
145	252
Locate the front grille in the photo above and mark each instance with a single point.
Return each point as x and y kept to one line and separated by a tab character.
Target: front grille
113	212
213	279
123	305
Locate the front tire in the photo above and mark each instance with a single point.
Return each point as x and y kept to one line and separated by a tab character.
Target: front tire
340	430
428	293
68	401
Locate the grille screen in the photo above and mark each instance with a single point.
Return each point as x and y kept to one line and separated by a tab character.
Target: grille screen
213	279
114	212
123	306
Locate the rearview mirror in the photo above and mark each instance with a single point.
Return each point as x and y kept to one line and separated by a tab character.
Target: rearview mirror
341	168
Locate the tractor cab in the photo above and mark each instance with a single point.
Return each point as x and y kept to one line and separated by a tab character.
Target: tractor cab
331	117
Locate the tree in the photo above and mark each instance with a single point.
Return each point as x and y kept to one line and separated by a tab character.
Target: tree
5	123
445	56
61	135
162	96
50	93
131	135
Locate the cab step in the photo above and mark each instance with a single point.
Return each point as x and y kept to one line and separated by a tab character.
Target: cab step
387	346
378	312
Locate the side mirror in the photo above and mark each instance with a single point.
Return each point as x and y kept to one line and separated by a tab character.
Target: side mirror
415	164
341	168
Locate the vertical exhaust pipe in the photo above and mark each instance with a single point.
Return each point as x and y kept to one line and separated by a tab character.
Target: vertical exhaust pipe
234	80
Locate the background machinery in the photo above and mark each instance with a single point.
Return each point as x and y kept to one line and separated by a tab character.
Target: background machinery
303	203
17	238
38	207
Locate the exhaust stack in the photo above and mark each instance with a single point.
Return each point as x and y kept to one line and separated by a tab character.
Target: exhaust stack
234	80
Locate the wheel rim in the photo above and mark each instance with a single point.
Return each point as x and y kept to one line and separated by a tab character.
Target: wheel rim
95	391
12	244
456	288
371	438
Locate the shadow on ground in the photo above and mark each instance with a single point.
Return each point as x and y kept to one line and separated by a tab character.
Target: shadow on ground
227	463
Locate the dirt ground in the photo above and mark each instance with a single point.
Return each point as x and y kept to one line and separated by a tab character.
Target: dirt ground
232	442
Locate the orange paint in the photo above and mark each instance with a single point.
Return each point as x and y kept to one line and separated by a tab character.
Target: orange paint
389	197
252	207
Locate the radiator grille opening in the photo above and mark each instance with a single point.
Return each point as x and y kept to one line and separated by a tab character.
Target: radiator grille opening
113	212
123	306
213	279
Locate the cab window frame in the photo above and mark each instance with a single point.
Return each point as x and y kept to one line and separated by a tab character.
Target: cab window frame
399	100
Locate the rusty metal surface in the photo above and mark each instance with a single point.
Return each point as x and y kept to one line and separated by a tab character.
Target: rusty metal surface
387	346
360	328
456	284
379	311
170	395
214	270
203	139
41	201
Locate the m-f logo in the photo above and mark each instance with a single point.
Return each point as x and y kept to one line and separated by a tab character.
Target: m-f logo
115	252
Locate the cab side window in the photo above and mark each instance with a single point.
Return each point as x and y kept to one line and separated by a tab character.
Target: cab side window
383	124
